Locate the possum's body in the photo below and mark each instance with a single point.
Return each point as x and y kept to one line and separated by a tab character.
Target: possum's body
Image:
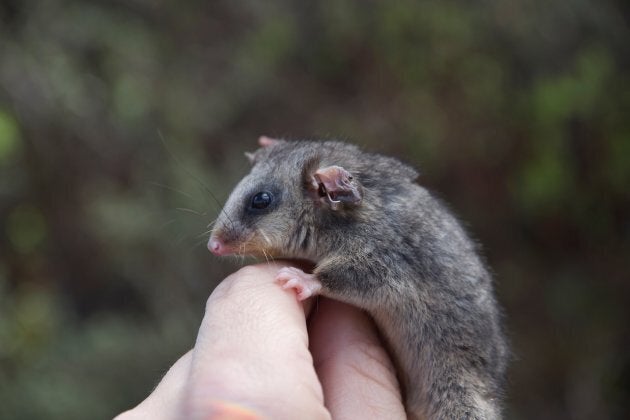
380	242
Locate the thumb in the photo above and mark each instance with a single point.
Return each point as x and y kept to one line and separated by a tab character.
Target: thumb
252	352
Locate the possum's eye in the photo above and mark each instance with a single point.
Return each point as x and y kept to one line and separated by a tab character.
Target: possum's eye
261	200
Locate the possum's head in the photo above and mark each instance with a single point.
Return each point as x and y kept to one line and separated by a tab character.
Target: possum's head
293	188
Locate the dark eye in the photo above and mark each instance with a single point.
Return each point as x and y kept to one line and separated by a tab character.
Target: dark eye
261	200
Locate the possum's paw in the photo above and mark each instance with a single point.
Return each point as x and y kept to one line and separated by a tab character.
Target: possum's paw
306	285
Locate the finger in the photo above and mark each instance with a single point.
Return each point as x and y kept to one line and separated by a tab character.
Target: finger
357	375
252	351
165	400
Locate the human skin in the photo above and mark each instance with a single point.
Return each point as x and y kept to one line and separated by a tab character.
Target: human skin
260	353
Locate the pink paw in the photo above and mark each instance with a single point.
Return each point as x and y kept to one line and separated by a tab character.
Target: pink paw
306	285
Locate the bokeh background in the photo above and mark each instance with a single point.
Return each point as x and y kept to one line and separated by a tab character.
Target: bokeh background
121	121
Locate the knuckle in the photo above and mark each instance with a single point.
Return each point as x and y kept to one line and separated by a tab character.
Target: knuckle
249	271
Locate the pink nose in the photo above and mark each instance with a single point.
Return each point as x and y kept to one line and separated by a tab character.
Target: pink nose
215	246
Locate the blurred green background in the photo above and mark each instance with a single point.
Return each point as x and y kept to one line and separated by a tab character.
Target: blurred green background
120	119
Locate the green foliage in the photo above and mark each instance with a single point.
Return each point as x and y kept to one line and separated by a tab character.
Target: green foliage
54	371
619	165
26	228
9	137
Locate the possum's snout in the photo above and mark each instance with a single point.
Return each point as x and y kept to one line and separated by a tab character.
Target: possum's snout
226	240
234	239
217	247
223	240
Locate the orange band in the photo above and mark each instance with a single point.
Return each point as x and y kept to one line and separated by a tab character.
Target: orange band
231	411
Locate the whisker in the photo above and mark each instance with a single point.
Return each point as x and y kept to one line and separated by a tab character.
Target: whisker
265	254
207	232
167	223
265	237
205	188
187	210
195	245
179	240
167	187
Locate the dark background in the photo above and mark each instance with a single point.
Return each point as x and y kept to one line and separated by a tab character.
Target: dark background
120	119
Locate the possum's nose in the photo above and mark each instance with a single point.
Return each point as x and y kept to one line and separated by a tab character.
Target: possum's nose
217	247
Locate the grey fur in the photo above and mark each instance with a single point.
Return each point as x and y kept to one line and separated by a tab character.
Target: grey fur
400	255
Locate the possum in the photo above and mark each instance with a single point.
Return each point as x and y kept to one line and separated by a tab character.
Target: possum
381	242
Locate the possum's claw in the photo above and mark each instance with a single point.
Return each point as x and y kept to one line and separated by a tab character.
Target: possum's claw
306	285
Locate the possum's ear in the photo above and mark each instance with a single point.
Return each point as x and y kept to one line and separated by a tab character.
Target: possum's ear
337	187
265	141
251	157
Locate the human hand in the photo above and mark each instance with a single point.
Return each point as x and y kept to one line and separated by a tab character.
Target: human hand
256	358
